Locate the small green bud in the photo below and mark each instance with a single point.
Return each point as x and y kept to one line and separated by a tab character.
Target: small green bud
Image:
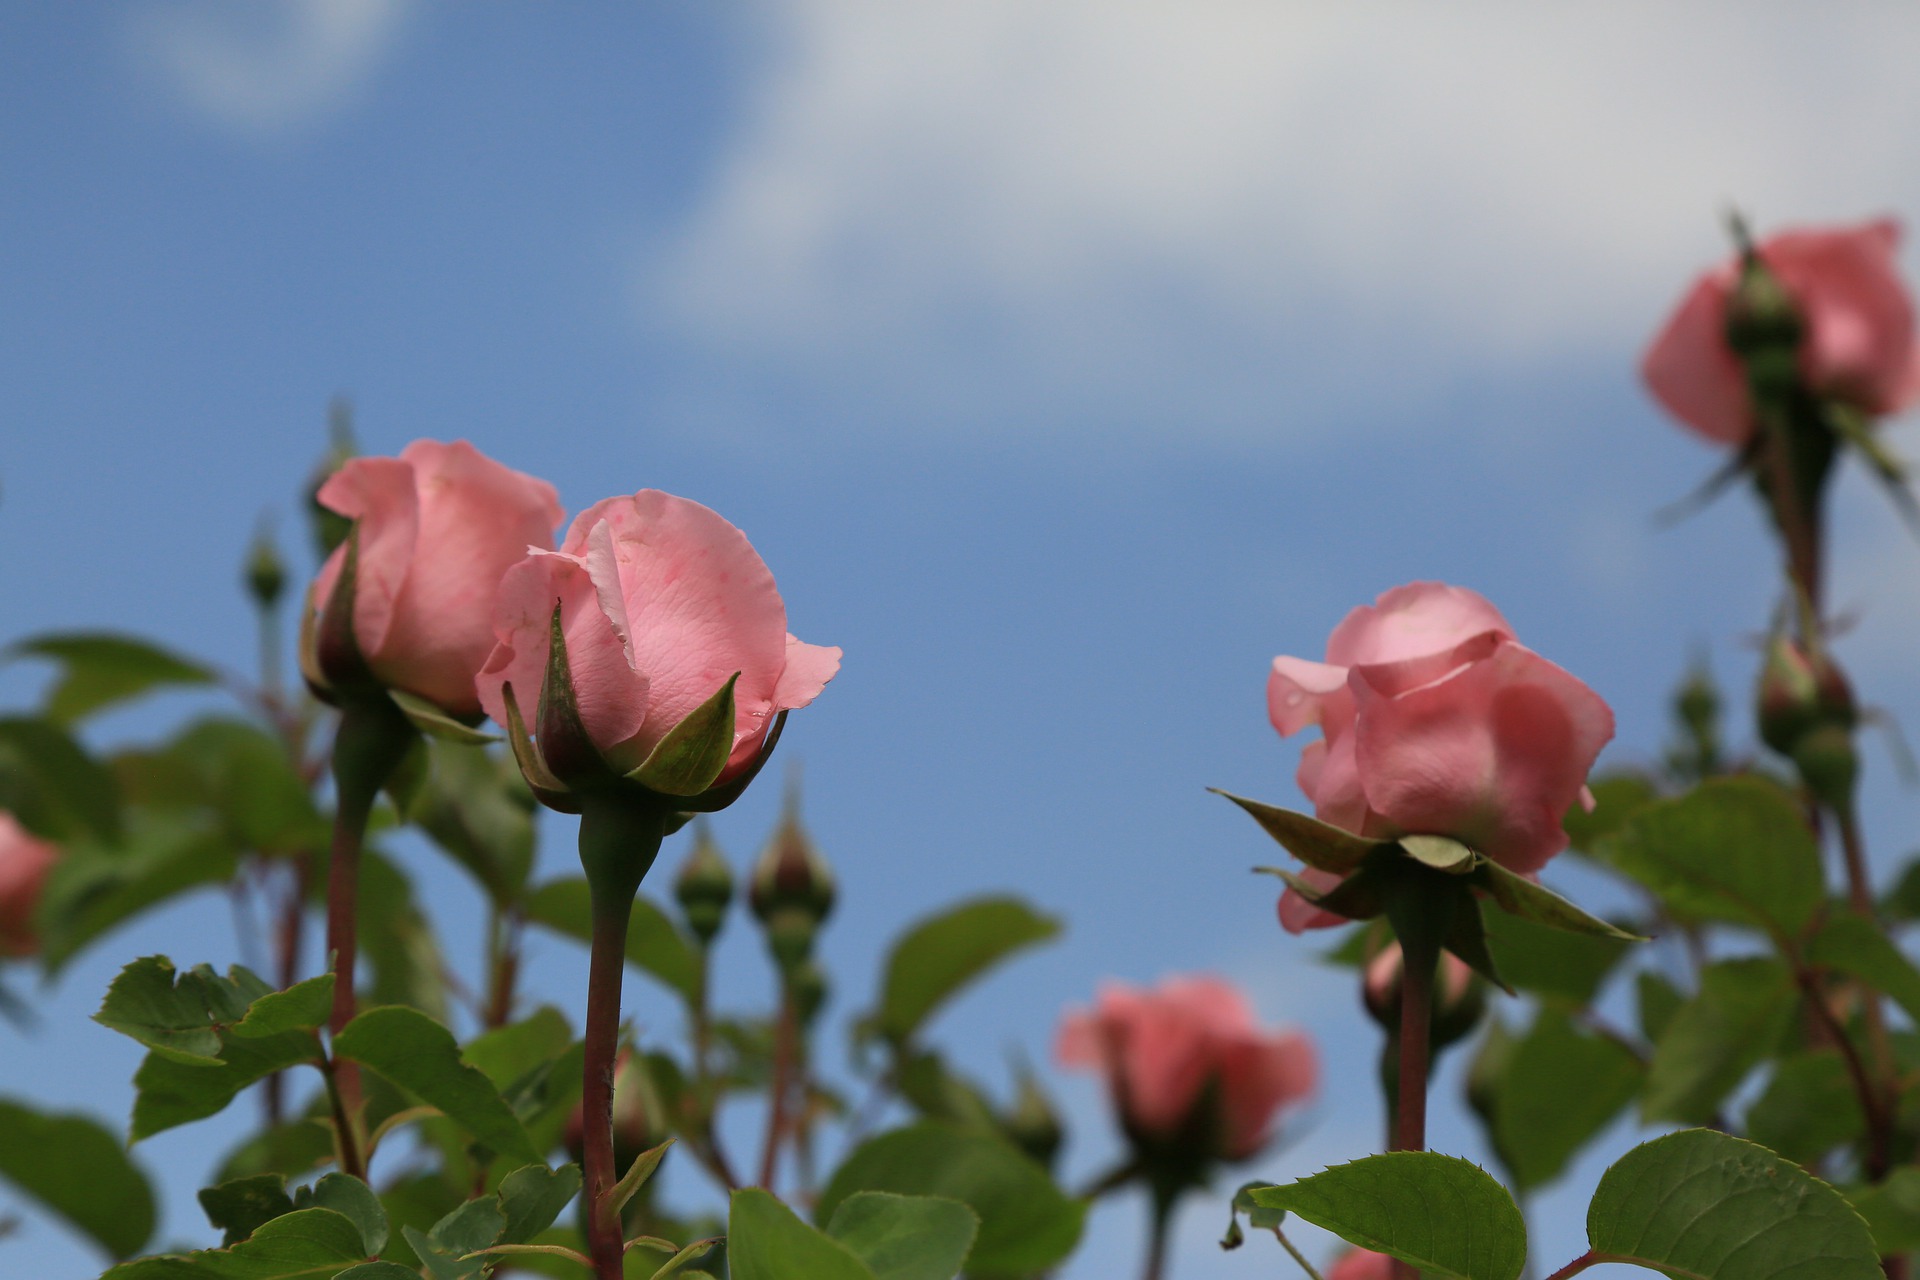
1801	690
1762	318
266	574
1696	713
790	932
1829	766
704	887
791	875
1031	1122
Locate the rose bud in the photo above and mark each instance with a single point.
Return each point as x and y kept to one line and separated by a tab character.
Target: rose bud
435	530
1458	999
266	574
1434	721
1836	293
1801	689
25	862
1361	1264
1193	1078
673	662
704	887
792	889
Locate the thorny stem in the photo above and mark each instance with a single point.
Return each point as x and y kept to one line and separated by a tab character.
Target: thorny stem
1416	1024
606	966
1579	1264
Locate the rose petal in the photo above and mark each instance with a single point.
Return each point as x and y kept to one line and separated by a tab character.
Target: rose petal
1413	621
380	494
1692	372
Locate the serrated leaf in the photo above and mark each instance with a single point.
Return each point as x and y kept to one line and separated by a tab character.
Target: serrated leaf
1026	1223
100	669
50	783
418	1054
307	1244
1736	1019
655	945
1732	849
1561	1086
304	1006
938	956
1700	1205
241	1206
80	1171
768	1241
354	1200
905	1237
169	1091
1440	1213
532	1197
690	757
1316	843
1810	1107
1892	1210
178	1015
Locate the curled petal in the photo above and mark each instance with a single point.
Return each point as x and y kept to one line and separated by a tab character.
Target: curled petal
1693	373
1413	621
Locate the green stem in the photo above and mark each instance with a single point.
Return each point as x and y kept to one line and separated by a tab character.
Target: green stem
1305	1266
1160	1217
1860	896
345	1144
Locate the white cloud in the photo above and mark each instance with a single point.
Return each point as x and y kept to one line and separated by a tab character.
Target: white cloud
262	66
1105	204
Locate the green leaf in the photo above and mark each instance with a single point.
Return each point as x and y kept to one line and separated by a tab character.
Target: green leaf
1892	1210
637	1174
95	886
1657	1000
477	808
242	1206
429	718
1810	1107
1440	1213
655	945
938	956
767	1241
1561	1087
178	1015
304	1006
50	783
1522	897
397	941
531	1198
169	1091
244	775
308	1244
1732	849
1742	1010
1026	1223
445	1250
905	1237
1902	902
378	1271
1700	1205
353	1200
1316	843
1567	967
690	757
1617	797
76	1168
1858	948
418	1054
99	669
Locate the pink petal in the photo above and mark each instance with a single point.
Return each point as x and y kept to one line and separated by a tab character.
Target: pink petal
380	494
1860	323
1491	756
1297	915
1413	621
1299	693
1690	369
1259	1075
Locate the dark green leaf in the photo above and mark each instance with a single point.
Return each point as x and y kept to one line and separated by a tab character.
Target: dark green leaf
1550	962
178	1015
378	1271
1026	1223
397	942
938	956
1440	1213
308	1244
96	886
1316	843
100	669
767	1241
1617	797
1658	1001
1703	1204
531	1198
1733	849
50	783
1892	1210
79	1170
304	1006
905	1237
1742	1009
1859	949
1810	1107
654	945
444	1250
477	808
245	776
242	1206
1560	1088
353	1200
170	1092
1902	902
290	1150
420	1055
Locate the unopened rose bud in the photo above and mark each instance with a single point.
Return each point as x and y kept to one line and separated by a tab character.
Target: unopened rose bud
1696	712
266	574
704	887
792	889
1801	690
25	862
1829	765
1761	316
1457	998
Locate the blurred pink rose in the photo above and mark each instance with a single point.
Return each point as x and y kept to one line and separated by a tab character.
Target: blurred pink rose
1381	984
1434	721
25	861
1859	343
1161	1049
1361	1264
661	600
439	525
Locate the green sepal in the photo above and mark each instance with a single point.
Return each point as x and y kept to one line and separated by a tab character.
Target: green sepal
430	719
636	1176
1318	844
335	656
565	745
1356	898
1442	853
689	759
549	790
1522	897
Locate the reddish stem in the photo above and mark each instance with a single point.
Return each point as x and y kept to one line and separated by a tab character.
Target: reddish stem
1579	1264
343	889
291	937
783	1062
606	969
1416	1022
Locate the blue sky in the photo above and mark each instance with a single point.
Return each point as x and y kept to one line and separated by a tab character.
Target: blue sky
1065	360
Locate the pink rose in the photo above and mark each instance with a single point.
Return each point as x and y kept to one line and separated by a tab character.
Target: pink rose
1361	1264
1162	1049
661	601
439	525
1380	986
25	861
1858	346
1434	721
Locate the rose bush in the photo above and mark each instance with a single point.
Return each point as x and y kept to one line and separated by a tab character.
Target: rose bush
438	526
1186	1061
661	602
1858	344
1435	721
25	862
